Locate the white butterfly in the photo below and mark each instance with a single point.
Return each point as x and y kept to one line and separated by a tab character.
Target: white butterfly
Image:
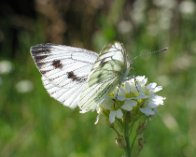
79	77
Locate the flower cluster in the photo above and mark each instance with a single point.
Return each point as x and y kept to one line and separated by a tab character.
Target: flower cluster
134	96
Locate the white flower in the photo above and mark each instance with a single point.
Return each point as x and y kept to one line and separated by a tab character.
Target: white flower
5	67
115	114
165	3
151	104
124	27
128	105
187	7
134	93
147	111
138	11
24	86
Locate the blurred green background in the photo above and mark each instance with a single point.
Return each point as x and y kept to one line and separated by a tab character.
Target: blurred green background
34	124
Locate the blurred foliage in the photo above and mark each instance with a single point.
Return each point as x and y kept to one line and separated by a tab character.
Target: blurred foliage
33	124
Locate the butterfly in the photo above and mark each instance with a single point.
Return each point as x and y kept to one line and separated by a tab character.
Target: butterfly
77	77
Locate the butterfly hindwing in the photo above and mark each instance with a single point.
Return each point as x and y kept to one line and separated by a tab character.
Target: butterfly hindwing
64	70
69	96
109	70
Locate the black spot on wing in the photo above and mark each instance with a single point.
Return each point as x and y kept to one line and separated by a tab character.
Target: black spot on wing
57	64
41	51
72	76
44	71
40	58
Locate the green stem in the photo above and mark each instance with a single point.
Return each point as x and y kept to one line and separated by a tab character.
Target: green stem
133	142
116	131
126	135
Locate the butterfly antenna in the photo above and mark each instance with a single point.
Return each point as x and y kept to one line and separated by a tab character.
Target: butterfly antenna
153	52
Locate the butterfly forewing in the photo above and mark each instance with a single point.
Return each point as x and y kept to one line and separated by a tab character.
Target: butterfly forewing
64	70
63	65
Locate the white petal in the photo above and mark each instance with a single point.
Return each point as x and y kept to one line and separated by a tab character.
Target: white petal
99	109
112	116
151	104
131	81
158	88
121	98
128	105
147	111
119	114
141	80
121	94
97	119
127	87
158	100
151	86
107	104
134	89
142	95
